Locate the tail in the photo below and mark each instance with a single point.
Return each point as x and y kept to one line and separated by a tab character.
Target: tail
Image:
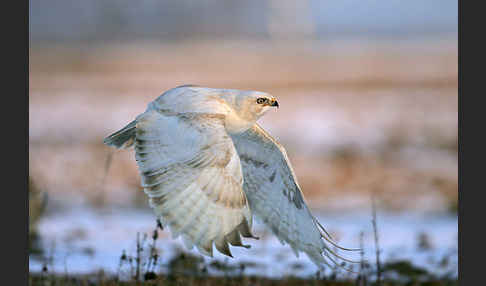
123	138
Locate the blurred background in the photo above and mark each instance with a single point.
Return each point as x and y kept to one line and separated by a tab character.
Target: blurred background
368	95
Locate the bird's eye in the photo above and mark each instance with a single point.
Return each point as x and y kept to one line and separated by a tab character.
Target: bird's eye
261	100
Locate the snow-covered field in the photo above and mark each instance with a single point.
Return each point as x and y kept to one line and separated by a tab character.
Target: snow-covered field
84	240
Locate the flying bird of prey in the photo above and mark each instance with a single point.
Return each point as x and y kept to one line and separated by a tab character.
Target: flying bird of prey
208	167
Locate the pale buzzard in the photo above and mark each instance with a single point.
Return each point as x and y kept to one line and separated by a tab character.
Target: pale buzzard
207	167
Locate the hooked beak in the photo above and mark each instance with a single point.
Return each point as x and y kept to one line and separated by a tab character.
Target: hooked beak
274	103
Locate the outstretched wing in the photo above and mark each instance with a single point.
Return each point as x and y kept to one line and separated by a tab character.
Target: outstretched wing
192	174
275	196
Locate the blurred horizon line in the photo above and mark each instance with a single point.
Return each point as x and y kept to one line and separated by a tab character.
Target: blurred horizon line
108	20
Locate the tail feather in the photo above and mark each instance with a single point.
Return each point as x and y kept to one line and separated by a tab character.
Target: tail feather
123	138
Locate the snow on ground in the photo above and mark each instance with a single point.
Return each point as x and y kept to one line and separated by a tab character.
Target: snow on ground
83	240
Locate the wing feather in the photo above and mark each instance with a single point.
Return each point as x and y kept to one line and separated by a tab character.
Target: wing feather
191	172
275	196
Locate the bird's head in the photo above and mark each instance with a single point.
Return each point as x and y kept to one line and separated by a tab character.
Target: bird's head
247	107
254	104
